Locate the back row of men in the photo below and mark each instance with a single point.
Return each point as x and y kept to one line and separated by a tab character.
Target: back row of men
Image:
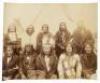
64	56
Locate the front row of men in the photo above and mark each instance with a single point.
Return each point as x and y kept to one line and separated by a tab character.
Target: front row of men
46	65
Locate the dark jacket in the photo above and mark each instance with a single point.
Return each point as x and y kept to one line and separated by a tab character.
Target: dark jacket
8	68
29	61
41	65
89	62
61	41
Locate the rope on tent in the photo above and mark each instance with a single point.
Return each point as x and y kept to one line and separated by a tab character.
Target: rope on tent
18	23
38	14
66	15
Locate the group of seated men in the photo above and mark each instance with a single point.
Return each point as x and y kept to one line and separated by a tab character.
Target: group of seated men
63	56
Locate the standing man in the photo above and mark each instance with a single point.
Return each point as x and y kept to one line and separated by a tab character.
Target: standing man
61	38
44	34
11	38
11	35
30	30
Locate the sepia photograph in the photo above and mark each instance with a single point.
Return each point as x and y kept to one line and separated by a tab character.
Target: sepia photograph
49	41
